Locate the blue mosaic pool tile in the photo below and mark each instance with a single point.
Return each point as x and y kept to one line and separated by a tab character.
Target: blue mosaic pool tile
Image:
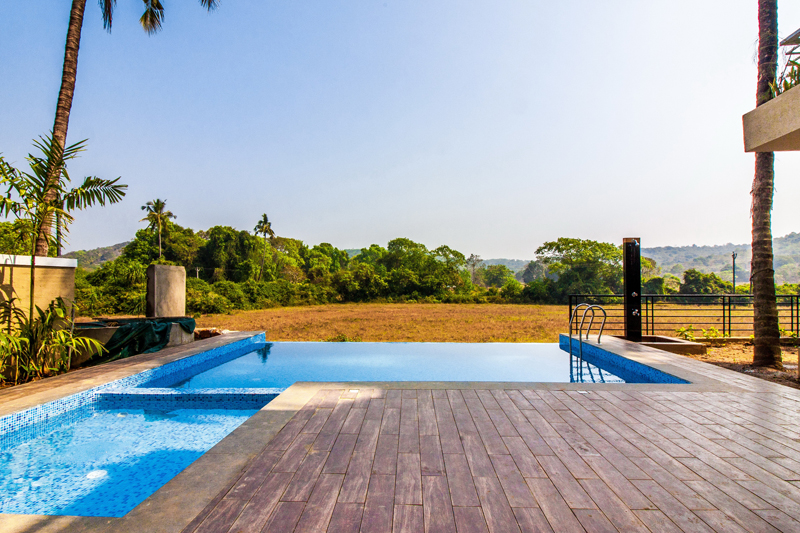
628	369
165	398
40	413
109	461
175	373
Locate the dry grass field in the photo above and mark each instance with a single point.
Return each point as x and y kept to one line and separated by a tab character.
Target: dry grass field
401	322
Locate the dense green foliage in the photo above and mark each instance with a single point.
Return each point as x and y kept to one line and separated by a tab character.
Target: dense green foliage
230	269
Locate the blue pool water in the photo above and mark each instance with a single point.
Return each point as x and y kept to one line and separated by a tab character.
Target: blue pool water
279	364
105	462
103	451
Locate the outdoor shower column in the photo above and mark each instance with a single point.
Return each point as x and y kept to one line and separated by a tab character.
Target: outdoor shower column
632	283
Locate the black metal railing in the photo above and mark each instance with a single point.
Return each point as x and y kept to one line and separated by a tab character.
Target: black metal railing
663	314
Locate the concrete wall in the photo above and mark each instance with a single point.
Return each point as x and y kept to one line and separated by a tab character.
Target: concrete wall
55	276
775	125
166	291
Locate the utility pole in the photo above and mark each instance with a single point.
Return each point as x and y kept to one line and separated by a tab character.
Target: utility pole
733	256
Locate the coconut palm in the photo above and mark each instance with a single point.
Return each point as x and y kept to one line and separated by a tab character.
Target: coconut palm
28	198
264	227
157	217
150	20
766	331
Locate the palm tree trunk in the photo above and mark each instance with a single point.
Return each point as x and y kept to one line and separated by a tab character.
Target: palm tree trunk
766	331
68	76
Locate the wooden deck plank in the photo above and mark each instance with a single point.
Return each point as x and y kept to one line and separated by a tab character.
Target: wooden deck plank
430	452
531	520
446	425
346	518
285	517
386	455
470	520
409	427
495	506
743	516
526	462
305	478
223	516
615	509
260	507
438	510
462	486
623	488
356	481
408	488
340	454
362	399
317	512
555	508
408	519
252	478
657	522
568	486
295	454
516	490
683	517
379	506
594	521
355	418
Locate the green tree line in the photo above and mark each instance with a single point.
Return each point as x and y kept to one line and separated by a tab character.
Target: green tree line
230	269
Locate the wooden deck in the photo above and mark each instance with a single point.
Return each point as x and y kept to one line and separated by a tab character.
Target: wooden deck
509	460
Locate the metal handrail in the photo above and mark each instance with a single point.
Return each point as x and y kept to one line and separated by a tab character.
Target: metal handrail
591	321
589	307
571	319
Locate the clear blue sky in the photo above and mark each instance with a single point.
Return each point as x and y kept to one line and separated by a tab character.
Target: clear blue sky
489	126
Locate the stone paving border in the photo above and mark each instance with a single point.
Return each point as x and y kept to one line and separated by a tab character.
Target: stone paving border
180	503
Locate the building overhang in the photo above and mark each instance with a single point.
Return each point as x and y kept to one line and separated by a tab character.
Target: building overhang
775	125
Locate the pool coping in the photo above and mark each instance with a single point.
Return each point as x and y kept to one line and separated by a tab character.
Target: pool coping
181	502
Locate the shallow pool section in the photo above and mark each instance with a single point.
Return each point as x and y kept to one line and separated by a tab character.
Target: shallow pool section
93	462
278	365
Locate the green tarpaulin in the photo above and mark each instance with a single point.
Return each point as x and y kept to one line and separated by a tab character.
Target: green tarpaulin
136	336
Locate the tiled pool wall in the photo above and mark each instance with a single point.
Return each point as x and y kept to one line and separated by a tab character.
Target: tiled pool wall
176	369
617	364
169	399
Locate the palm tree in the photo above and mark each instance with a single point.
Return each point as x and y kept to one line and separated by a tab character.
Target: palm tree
157	217
766	331
151	22
28	198
264	227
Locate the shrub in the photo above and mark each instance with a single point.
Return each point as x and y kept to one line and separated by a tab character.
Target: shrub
232	292
207	302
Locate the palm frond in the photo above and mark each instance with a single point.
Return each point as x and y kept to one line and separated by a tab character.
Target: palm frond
211	5
152	17
94	191
107	9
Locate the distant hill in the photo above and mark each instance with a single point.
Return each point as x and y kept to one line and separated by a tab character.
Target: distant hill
91	259
515	265
677	259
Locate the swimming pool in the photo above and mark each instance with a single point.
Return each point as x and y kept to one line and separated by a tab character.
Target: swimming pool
279	364
103	451
98	462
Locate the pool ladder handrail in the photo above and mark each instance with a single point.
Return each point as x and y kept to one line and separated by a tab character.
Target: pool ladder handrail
589	307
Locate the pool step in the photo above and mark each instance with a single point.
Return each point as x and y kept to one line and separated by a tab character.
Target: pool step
169	398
